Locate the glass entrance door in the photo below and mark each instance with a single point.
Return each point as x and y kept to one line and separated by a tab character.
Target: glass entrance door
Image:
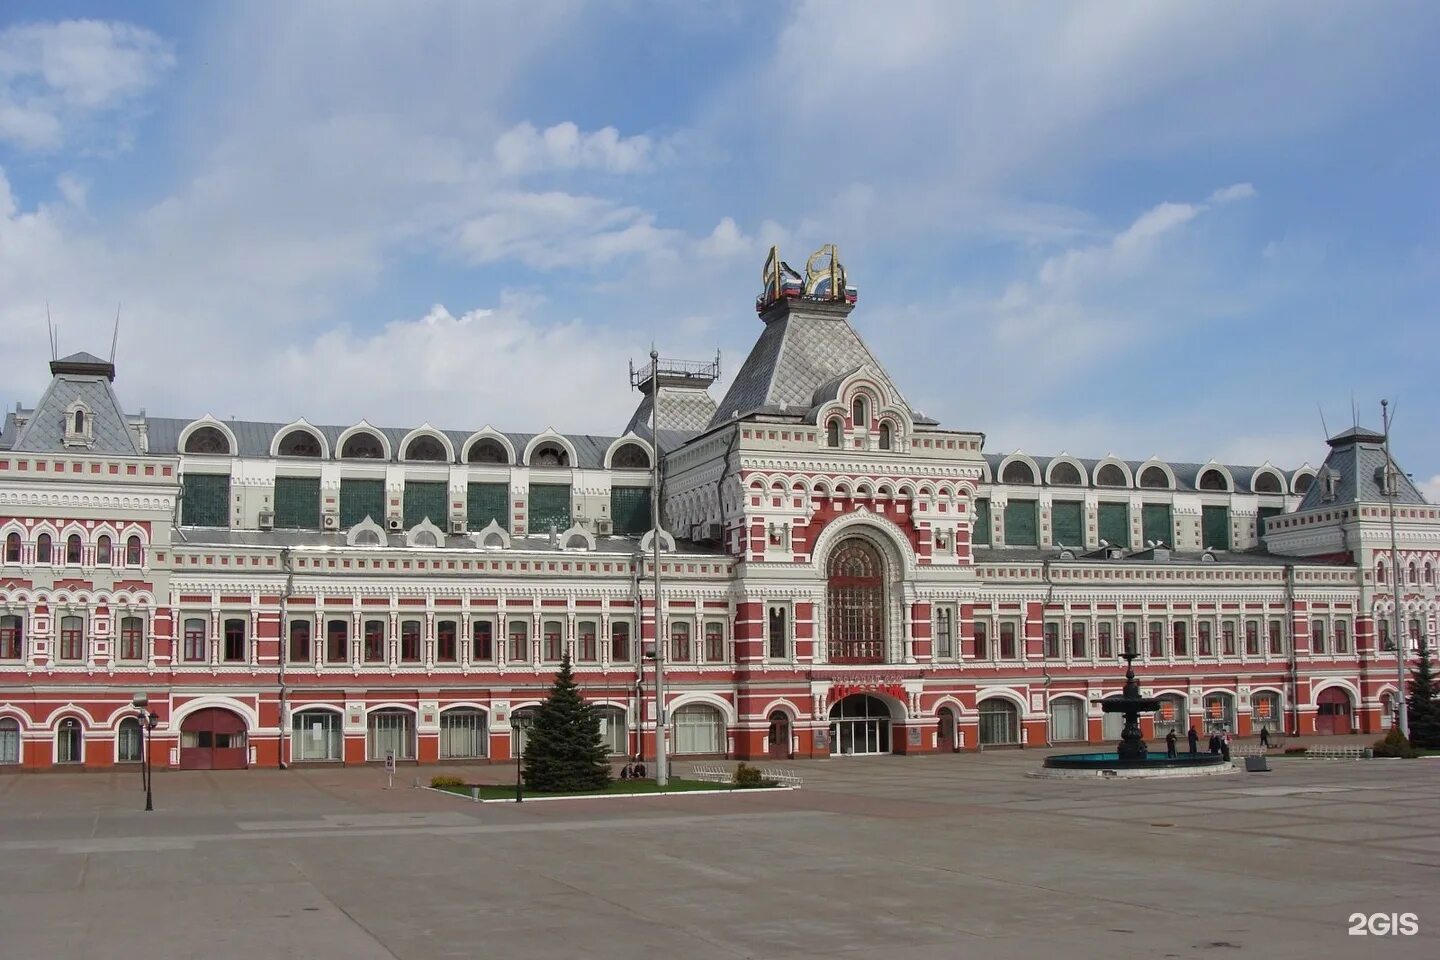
859	725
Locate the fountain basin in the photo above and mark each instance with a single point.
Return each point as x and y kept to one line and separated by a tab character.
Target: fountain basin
1111	766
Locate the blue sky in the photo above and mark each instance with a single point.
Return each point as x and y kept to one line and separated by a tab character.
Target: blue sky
1173	229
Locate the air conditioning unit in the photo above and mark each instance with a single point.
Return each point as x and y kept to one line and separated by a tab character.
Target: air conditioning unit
457	527
604	527
395	524
331	521
267	519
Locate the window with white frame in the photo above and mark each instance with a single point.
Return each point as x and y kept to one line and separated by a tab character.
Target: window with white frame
714	641
317	735
128	745
463	734
613	731
944	632
777	623
193	649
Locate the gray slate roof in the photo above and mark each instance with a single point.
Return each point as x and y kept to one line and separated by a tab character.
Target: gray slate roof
1357	459
687	410
1251	558
1187	475
45	430
275	539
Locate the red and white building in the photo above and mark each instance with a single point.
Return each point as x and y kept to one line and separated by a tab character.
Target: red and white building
842	575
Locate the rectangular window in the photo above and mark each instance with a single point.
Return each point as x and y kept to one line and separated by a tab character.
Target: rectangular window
1067	523
1215	528
194	648
1114	523
549	506
1157	639
1021	526
1131	634
72	638
1317	636
1052	640
630	509
1277	638
299	641
1385	642
1104	639
447	641
944	632
518	650
1227	638
482	641
1204	638
205	500
360	499
587	650
132	638
680	642
1007	641
233	636
485	502
620	642
337	641
1156	524
1078	648
714	642
779	633
553	635
425	500
297	503
1181	646
980	532
409	641
12	637
1342	637
1252	638
374	641
982	640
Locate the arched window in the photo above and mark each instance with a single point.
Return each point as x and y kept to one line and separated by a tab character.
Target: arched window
103	551
550	455
856	603
613	730
999	721
363	446
630	456
133	551
12	637
858	413
1414	573
1265	711
426	449
42	548
1302	483
1154	478
1017	471
12	548
74	549
1380	571
69	742
885	436
463	734
128	745
299	443
832	433
487	451
390	731
1065	473
1110	475
207	440
80	421
1267	482
1429	573
1213	480
699	728
317	735
9	740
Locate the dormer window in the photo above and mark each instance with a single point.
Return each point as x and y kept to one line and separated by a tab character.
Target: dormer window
78	426
885	436
858	413
832	433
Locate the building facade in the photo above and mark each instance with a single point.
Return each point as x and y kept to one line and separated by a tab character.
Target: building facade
841	575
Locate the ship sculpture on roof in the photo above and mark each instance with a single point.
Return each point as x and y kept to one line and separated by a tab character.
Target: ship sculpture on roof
824	279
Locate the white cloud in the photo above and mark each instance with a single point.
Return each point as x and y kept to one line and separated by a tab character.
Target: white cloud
523	149
57	76
1430	489
559	230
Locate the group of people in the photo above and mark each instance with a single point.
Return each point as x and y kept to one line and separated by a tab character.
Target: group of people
1219	742
635	770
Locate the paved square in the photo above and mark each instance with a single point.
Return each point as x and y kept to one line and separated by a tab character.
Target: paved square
933	857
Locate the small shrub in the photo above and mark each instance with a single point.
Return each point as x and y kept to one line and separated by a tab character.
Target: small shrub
1294	751
748	776
1394	745
444	782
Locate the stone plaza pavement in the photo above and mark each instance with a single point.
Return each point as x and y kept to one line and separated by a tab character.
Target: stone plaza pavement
885	857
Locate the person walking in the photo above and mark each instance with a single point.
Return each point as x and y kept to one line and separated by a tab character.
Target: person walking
1194	739
1170	744
1214	744
1265	737
1225	745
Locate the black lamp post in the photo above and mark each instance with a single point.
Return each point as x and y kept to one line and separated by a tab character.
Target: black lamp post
148	721
519	757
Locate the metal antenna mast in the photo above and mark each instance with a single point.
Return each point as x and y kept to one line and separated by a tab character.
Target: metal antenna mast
1392	490
662	771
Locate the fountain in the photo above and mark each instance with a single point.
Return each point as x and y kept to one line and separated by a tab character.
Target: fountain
1132	757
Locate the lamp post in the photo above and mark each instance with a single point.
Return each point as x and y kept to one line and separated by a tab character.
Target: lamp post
519	759
148	721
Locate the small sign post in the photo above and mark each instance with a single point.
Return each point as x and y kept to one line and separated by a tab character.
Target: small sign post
389	769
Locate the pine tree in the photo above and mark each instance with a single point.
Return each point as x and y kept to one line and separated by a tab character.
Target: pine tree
1421	705
563	748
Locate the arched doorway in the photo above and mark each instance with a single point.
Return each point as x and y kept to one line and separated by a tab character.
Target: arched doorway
69	742
213	739
945	739
859	724
855	608
778	740
1332	712
999	723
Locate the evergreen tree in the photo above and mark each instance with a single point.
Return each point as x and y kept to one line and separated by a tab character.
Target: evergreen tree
563	749
1421	703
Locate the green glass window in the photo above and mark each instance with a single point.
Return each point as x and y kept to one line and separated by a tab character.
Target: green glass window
1115	524
485	502
206	501
1021	527
630	509
297	503
1215	527
1265	513
360	499
980	535
549	506
424	500
1067	523
1155	523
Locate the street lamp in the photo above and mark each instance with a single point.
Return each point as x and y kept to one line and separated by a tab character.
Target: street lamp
147	720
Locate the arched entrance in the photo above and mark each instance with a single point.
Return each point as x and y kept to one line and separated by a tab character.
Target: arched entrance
778	740
213	739
855	607
999	723
945	739
859	724
1332	712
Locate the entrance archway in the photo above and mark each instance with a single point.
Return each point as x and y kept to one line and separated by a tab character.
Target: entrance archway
778	741
859	724
999	723
213	739
855	603
1332	712
945	740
